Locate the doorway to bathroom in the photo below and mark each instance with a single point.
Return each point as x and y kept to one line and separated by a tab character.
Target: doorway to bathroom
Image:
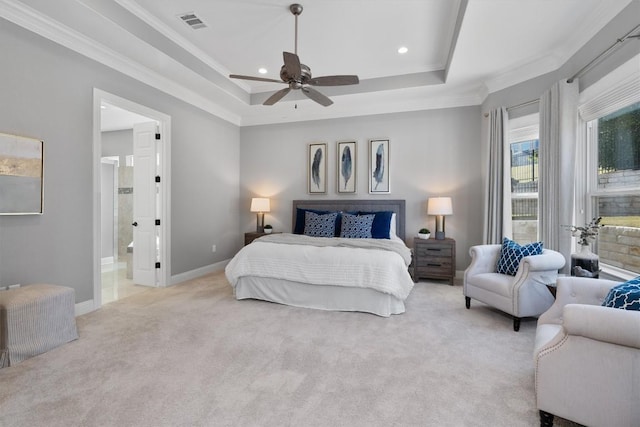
131	220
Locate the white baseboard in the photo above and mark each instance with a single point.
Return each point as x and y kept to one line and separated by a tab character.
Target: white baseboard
84	307
198	272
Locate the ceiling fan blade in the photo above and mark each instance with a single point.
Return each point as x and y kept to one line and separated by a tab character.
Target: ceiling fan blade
334	81
317	96
276	96
258	79
292	64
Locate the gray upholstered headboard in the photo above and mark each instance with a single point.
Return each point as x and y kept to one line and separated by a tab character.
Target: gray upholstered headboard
368	205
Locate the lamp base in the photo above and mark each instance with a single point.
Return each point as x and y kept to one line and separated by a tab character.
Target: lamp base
260	222
439	227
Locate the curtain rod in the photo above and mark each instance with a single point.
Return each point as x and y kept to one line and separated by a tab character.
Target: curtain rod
522	104
603	54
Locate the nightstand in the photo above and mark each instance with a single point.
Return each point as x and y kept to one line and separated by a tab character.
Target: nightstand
434	259
250	237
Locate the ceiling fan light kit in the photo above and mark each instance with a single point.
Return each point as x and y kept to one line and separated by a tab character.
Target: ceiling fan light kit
298	76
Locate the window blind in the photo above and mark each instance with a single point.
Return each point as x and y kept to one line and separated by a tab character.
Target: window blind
624	93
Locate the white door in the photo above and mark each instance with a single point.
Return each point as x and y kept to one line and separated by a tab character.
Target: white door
145	250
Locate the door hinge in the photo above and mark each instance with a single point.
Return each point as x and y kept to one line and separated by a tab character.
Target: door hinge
157	136
157	178
157	222
157	265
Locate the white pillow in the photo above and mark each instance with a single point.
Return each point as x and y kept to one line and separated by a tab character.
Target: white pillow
392	227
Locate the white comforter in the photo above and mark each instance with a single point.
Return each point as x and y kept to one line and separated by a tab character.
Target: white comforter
366	263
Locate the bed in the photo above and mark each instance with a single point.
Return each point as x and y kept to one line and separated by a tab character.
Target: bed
330	273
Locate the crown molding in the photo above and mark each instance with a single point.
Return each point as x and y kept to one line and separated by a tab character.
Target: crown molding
531	69
389	102
30	19
554	60
134	8
386	101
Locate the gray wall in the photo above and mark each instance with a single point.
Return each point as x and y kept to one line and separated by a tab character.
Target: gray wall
47	92
432	153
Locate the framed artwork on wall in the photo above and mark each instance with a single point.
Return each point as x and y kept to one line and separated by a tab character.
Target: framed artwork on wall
317	168
379	166
21	175
347	167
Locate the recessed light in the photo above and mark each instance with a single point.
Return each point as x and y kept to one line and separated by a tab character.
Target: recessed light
403	50
262	70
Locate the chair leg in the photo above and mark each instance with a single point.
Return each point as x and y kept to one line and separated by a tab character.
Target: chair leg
467	302
516	324
546	419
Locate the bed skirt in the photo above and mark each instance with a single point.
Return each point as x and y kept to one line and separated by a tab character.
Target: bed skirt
325	297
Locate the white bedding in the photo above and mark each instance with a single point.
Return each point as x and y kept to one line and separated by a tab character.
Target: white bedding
376	264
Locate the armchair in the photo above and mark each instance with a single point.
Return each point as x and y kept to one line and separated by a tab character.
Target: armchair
522	295
587	358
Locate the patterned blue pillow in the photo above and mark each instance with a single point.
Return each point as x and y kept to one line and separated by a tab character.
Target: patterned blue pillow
300	217
356	226
319	225
625	295
512	253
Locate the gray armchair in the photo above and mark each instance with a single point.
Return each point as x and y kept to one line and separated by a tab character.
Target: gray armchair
522	295
587	358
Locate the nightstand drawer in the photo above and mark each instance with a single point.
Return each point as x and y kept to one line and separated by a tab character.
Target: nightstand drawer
431	261
433	250
442	270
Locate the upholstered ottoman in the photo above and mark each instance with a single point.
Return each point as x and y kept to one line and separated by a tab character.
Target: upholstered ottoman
35	319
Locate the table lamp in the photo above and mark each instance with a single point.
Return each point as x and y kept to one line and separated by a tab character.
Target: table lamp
439	206
260	205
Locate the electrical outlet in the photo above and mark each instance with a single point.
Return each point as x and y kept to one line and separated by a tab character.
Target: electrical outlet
213	248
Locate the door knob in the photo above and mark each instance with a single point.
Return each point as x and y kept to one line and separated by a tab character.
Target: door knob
135	224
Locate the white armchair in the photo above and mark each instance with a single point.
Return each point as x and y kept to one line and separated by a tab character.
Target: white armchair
522	295
587	358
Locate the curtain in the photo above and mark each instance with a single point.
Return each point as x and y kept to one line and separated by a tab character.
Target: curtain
558	121
498	210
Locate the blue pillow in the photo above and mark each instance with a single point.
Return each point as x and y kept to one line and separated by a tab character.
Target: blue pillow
381	224
512	253
625	295
320	225
356	226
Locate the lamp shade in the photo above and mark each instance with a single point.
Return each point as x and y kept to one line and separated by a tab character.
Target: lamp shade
259	204
439	206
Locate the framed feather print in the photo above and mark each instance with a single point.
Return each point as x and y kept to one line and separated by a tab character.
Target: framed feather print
346	167
379	166
317	161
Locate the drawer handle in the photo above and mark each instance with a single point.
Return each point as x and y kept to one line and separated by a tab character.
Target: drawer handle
434	265
433	249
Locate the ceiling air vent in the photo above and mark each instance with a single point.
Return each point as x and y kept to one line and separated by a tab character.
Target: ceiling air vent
192	20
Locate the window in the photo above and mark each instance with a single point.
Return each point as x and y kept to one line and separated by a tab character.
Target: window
614	191
524	148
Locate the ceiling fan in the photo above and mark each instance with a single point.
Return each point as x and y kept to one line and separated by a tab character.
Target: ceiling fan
298	76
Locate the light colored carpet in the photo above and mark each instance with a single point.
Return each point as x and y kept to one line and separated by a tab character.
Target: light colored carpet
191	355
